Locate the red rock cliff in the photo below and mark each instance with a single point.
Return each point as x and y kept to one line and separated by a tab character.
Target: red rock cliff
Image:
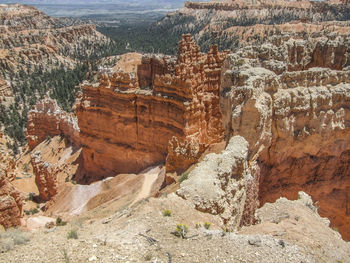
47	119
11	202
128	119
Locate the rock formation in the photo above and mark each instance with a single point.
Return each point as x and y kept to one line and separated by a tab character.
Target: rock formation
45	177
218	184
289	100
34	42
11	202
127	119
47	119
214	21
282	97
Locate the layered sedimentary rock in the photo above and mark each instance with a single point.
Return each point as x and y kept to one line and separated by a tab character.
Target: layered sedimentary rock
47	119
215	21
127	119
11	202
289	99
45	177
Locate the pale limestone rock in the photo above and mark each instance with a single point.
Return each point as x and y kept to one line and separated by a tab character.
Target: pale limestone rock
218	184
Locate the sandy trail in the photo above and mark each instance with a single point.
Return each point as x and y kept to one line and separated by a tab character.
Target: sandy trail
150	176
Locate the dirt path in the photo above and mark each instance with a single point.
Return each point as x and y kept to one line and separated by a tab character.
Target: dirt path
150	176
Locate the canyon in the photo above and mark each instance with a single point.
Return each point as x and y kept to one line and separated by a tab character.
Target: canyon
221	136
283	98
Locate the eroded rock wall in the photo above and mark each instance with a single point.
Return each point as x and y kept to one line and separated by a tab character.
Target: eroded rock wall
296	122
11	202
45	177
47	119
218	184
127	119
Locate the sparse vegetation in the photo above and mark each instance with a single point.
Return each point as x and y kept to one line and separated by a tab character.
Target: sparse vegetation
34	211
60	222
183	177
198	225
148	257
239	63
31	196
166	212
181	230
12	238
207	225
65	255
31	211
72	234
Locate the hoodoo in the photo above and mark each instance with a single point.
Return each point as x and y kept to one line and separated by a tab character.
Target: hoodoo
168	110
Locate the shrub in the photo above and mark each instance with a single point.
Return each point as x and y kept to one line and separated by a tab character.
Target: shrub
34	211
31	196
148	257
198	225
73	234
60	222
181	230
207	225
183	177
12	238
65	255
166	212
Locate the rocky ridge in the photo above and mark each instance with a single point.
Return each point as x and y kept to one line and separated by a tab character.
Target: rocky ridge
34	43
213	22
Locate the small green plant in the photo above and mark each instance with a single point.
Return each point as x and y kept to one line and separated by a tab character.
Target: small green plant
226	230
148	257
72	234
31	196
181	230
198	225
183	177
65	255
60	222
34	211
207	225
239	63
166	212
335	229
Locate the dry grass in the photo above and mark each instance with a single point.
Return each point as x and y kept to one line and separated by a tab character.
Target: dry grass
12	238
